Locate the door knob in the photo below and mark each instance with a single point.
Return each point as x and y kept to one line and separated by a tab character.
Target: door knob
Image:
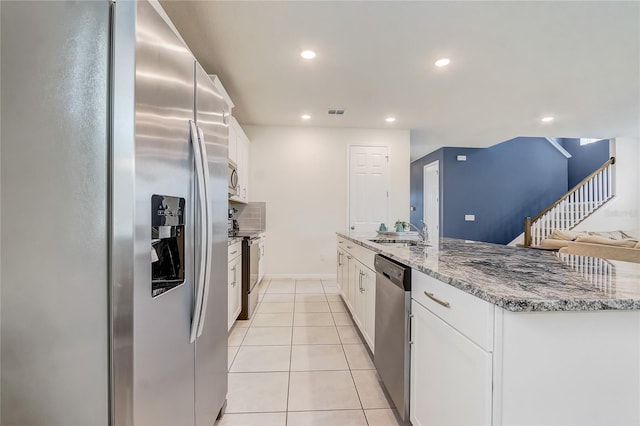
353	227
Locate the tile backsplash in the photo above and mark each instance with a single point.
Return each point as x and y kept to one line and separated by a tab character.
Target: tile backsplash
252	216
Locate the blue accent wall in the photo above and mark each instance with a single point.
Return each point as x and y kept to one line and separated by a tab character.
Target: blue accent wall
585	158
500	185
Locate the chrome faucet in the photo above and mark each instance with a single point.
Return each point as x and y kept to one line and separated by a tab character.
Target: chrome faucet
423	233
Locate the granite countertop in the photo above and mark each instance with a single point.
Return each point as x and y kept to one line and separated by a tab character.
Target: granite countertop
233	239
519	279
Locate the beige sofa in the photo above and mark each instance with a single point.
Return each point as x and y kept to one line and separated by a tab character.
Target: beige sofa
615	245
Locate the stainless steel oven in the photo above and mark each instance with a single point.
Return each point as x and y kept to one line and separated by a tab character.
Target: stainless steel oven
250	275
232	179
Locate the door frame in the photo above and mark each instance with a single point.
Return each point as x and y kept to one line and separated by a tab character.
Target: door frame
435	164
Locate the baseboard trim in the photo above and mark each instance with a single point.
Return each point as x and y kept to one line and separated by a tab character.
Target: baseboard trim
327	277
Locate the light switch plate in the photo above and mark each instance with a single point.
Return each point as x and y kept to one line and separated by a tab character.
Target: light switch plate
470	217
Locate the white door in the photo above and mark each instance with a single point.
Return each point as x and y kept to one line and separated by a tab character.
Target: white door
431	200
451	376
368	187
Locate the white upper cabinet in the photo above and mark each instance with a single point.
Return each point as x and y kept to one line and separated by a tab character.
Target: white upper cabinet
233	141
239	145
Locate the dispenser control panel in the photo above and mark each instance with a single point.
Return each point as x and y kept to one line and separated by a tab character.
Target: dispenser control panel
167	243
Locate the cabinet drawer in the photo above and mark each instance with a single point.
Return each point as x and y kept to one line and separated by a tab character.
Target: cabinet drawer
235	250
363	255
469	315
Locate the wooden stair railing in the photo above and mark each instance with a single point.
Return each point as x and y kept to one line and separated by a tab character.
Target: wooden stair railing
573	207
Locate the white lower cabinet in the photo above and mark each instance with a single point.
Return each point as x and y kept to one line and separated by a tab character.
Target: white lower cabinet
365	302
234	281
341	269
358	287
261	259
473	363
352	273
451	376
369	280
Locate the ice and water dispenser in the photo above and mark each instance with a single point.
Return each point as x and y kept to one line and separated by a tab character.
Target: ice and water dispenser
167	243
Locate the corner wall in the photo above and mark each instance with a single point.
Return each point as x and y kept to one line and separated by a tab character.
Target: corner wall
500	186
584	158
623	211
301	173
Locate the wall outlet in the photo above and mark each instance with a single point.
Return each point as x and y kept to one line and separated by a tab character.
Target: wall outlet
461	158
469	217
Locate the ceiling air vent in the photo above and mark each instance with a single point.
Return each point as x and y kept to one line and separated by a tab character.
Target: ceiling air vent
336	111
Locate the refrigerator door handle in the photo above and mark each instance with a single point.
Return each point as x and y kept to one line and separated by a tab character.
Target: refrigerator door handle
208	230
201	191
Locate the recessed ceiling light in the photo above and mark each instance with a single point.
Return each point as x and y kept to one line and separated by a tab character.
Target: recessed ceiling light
308	54
546	119
390	119
443	62
305	116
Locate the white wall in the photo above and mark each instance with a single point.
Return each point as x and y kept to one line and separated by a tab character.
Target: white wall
301	173
623	211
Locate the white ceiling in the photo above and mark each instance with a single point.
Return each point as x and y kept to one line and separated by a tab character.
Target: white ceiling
513	62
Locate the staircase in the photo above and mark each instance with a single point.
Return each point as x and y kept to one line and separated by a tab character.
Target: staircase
573	207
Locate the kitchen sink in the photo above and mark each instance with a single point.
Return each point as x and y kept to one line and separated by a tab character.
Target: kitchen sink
397	243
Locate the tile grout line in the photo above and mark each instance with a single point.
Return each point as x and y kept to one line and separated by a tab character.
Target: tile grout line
293	319
351	374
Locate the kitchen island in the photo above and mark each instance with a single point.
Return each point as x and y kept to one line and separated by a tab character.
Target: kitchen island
503	335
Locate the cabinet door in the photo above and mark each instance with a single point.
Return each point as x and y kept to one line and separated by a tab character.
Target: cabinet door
244	186
360	303
450	375
369	284
233	135
340	267
241	166
234	279
261	260
352	279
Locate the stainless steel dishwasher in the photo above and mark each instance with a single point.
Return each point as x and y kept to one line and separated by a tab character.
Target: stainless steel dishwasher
392	352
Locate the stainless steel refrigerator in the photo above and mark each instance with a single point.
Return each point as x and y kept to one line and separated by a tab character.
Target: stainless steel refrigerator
113	170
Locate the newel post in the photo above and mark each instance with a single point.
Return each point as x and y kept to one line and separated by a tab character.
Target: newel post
527	232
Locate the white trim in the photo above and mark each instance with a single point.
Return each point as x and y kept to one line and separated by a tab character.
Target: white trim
326	277
438	230
559	147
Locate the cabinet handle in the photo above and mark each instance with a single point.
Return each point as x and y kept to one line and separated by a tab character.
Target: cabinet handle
410	327
234	252
360	282
435	299
235	276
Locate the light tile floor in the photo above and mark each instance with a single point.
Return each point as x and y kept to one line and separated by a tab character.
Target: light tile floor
300	362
